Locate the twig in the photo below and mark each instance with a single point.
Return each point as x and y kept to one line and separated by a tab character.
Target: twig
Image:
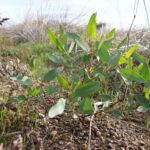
125	93
90	132
66	145
10	134
3	20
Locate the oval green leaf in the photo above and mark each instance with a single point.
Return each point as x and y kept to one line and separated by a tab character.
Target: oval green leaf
87	89
52	74
86	106
91	27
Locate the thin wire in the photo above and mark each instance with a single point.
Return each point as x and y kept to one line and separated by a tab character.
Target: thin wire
136	4
146	11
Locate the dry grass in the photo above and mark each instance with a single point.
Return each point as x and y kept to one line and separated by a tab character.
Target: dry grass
33	28
137	36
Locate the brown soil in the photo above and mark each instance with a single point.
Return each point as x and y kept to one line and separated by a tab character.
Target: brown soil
68	134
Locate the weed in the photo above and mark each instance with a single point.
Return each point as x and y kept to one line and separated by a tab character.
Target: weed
89	73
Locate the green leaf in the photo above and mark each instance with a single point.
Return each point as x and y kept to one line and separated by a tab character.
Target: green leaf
25	81
145	73
101	76
122	43
55	59
35	91
63	36
52	37
83	59
32	63
142	101
78	40
147	93
129	100
52	74
86	58
114	59
131	75
139	57
74	78
105	97
87	89
82	44
72	47
50	89
129	63
117	113
86	106
57	109
122	60
91	27
20	98
103	49
72	36
63	82
131	51
147	84
111	34
139	67
54	40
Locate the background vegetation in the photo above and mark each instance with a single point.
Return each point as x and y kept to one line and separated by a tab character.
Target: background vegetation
59	78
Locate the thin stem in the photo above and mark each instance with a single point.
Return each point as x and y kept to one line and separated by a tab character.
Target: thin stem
90	132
